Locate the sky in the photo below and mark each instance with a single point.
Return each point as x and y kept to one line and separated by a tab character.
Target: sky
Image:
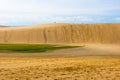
30	12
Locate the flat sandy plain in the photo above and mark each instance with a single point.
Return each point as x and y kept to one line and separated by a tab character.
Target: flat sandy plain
93	62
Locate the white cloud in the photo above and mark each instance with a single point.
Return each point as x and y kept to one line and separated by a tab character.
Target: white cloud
70	19
48	19
117	19
27	11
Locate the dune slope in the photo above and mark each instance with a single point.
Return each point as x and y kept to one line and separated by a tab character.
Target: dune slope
62	33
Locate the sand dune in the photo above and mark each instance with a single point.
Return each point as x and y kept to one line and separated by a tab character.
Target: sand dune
62	33
98	60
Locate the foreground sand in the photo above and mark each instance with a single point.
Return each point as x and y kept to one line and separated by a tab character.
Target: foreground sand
92	62
80	68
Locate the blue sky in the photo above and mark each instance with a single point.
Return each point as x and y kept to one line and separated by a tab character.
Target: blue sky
29	12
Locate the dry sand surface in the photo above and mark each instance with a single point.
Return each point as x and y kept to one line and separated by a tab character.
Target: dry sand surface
87	50
93	62
80	68
62	33
99	59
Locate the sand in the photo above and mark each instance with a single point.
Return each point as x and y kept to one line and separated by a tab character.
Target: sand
87	50
93	62
80	68
62	33
99	59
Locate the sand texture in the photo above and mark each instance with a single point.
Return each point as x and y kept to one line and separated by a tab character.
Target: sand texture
98	59
62	33
82	68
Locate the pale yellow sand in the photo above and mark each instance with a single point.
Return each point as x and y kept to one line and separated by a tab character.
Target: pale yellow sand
62	33
99	59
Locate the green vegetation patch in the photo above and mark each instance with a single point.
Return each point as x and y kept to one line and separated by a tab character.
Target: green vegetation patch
30	48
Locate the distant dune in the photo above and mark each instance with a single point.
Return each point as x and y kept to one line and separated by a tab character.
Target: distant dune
99	59
62	33
2	26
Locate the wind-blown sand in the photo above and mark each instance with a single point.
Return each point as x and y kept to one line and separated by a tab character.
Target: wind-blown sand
99	59
98	39
87	50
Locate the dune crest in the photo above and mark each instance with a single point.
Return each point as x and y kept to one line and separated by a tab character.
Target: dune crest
62	33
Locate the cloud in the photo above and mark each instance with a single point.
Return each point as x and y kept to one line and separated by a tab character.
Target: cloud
26	12
49	19
117	19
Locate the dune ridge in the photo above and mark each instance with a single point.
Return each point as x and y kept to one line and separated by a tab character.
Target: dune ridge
62	33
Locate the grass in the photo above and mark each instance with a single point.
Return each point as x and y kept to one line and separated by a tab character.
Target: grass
30	48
